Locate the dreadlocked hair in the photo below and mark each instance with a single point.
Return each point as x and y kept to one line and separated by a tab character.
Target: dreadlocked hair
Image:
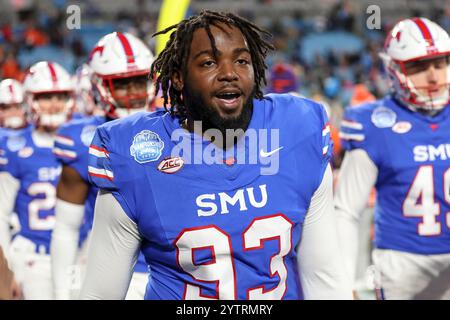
174	56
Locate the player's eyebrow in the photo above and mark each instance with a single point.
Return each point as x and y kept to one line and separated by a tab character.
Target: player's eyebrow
198	54
210	52
241	50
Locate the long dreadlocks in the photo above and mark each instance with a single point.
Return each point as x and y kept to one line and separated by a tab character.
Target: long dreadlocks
174	56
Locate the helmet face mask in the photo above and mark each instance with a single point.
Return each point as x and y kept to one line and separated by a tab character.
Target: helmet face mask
416	59
426	82
13	116
125	95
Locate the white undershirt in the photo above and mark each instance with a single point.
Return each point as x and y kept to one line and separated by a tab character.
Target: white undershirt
116	240
64	245
356	179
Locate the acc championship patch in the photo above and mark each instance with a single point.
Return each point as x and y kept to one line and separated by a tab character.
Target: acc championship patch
147	146
383	117
402	127
87	134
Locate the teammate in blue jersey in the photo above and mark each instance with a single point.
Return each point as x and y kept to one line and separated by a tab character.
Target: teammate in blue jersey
211	224
123	91
28	182
401	145
12	122
12	111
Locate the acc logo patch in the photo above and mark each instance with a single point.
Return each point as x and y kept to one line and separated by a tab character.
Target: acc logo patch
402	127
25	152
171	165
147	146
87	134
383	117
15	143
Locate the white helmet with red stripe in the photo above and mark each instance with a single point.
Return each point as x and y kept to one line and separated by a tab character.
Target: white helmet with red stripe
409	41
11	93
47	77
120	56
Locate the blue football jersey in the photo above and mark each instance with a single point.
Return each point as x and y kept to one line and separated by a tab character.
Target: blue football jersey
4	134
226	229
72	149
412	154
38	172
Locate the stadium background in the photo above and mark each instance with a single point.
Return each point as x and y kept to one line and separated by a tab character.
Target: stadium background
324	48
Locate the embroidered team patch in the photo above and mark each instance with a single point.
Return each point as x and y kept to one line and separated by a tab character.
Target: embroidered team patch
147	146
383	117
87	134
171	165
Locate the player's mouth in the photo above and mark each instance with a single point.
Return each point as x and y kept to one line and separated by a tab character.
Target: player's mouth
229	100
435	90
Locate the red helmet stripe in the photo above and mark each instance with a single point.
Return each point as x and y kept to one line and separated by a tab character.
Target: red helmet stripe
11	90
126	47
53	73
425	31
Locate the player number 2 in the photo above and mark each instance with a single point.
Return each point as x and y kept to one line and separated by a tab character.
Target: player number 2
48	202
220	270
420	201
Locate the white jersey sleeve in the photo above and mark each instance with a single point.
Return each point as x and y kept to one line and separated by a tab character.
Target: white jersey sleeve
64	245
9	186
321	270
356	179
113	251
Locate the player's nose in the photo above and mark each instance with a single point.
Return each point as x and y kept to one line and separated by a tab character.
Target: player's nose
227	72
432	76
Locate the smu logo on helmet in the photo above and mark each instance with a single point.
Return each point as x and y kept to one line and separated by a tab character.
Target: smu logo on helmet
213	201
431	153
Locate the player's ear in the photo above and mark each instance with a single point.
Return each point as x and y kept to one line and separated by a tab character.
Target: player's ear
177	80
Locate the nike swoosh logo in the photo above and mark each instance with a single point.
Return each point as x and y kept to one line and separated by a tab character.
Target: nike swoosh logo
268	154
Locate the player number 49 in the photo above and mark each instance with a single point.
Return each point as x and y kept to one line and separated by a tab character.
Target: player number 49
420	201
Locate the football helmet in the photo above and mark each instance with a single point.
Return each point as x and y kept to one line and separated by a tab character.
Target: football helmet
120	57
409	41
11	93
47	77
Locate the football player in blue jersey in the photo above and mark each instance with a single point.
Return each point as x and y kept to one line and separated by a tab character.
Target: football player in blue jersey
226	229
12	113
401	145
120	66
28	180
12	122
